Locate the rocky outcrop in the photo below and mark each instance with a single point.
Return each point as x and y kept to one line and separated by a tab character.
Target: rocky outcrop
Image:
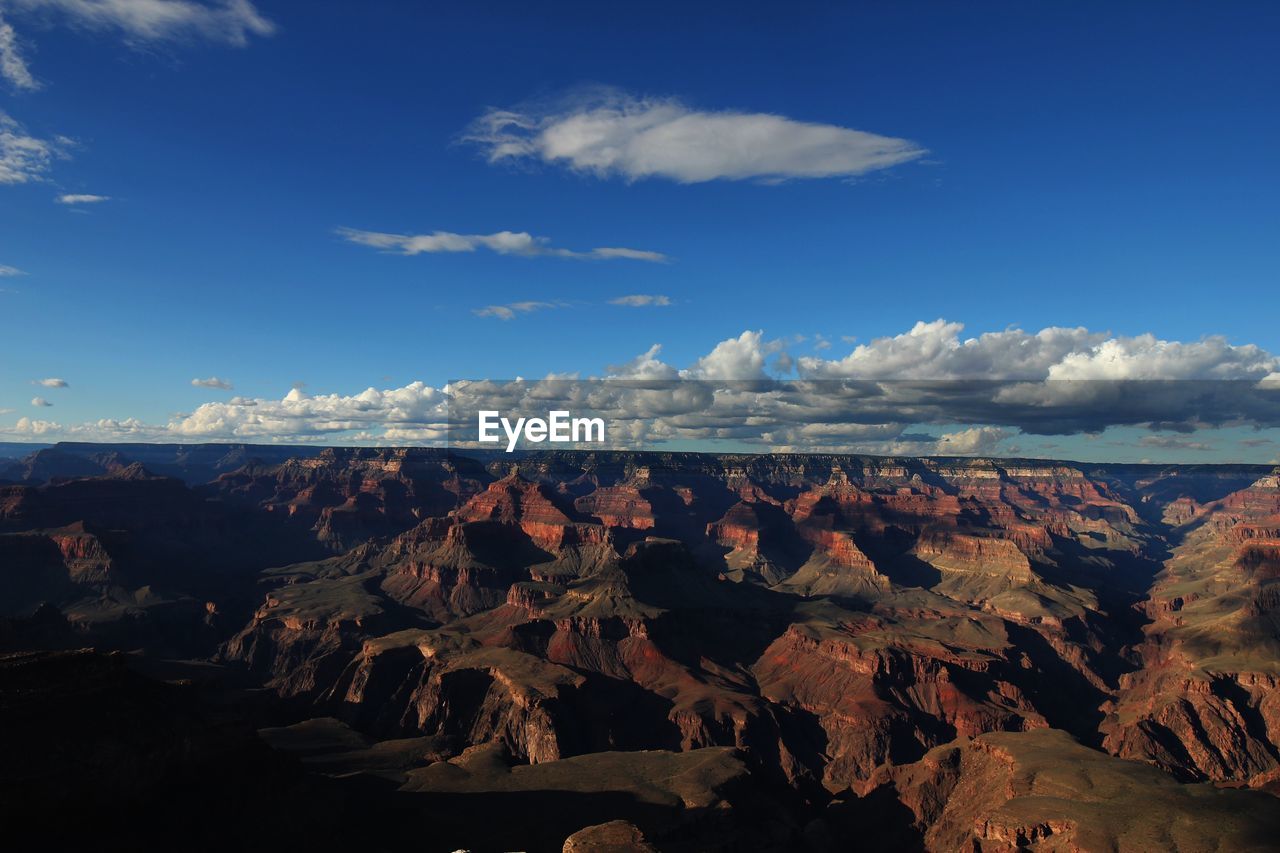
833	620
1041	790
348	495
616	836
703	799
545	599
305	633
884	691
1206	703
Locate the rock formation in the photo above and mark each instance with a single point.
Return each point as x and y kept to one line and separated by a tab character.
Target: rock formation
923	638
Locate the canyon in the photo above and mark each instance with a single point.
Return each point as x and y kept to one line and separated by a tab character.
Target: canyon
642	650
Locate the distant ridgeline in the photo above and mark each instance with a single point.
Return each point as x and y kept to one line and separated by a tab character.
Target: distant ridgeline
191	463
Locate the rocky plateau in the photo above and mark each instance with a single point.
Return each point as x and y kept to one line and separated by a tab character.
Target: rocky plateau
645	651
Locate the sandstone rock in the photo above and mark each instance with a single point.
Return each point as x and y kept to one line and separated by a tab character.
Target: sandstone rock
1041	790
616	836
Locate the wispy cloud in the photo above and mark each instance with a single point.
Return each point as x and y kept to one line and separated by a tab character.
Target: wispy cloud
52	382
213	382
511	309
6	271
23	157
610	133
227	21
13	67
502	242
1171	442
81	198
40	402
639	300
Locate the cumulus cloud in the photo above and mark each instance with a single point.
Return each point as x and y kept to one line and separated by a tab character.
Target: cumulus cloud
52	382
213	382
25	158
742	357
227	21
935	351
81	198
13	66
974	440
609	133
104	429
301	417
502	242
734	392
638	300
1146	357
647	365
40	402
6	271
31	426
511	309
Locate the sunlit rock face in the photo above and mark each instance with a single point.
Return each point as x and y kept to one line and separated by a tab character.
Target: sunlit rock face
850	628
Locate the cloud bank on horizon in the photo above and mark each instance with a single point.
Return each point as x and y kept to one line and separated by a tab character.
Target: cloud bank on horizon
977	395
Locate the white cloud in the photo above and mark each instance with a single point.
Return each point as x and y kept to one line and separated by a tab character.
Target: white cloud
892	440
610	133
28	426
511	309
81	198
104	429
300	417
228	21
24	158
13	67
647	365
213	382
1172	442
52	382
1147	357
608	253
742	357
741	399
638	300
40	402
974	440
935	351
502	242
9	271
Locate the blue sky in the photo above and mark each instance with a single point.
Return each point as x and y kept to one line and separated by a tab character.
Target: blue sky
1102	165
